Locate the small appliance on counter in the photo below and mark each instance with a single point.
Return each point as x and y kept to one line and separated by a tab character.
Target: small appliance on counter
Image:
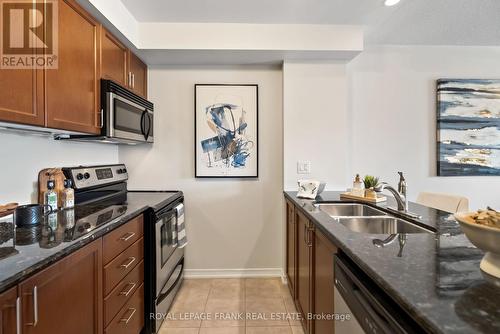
125	117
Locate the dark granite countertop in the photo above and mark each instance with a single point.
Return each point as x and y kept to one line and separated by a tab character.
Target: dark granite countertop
437	280
36	248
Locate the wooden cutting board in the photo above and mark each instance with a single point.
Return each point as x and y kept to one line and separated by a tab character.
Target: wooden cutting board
7	209
363	199
47	174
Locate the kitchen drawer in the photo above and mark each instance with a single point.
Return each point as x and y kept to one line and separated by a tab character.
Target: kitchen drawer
123	292
121	265
130	319
118	240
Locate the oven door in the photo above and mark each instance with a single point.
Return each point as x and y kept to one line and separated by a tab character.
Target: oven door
165	246
129	120
167	292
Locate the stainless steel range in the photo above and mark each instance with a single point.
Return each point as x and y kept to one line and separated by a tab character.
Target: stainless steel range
165	266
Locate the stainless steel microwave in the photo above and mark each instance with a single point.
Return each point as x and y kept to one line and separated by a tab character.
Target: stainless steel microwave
125	117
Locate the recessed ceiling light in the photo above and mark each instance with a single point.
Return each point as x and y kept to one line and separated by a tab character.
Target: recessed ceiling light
391	2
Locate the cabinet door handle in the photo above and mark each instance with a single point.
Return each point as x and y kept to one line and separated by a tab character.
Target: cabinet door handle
304	232
18	315
102	118
130	79
133	80
127	236
127	320
309	239
126	293
35	307
126	265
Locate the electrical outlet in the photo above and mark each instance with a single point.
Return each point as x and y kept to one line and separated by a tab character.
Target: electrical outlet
303	167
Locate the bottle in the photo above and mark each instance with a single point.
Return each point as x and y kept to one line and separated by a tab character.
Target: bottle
50	195
357	186
68	195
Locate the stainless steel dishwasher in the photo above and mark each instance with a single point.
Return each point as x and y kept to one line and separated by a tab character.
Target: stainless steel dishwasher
372	310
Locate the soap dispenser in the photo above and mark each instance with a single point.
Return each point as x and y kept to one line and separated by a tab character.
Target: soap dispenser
358	187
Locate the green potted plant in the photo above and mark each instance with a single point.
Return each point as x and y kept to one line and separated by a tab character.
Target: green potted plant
370	183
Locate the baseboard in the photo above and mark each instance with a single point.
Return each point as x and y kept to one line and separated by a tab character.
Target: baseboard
233	273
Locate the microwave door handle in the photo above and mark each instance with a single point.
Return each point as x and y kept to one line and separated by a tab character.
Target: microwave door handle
150	124
143	130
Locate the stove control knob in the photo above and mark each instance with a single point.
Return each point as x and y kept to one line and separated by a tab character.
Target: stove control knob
86	175
124	170
118	171
79	176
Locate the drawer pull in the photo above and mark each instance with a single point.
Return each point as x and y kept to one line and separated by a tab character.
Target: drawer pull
126	265
126	293
127	236
127	320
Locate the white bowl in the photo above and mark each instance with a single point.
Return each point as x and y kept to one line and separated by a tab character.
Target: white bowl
483	237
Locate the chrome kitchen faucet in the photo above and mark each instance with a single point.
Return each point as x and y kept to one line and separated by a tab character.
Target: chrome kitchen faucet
400	195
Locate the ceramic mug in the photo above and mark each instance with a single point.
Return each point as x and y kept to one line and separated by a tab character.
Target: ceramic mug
31	214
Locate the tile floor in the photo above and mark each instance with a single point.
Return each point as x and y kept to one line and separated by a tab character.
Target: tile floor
233	306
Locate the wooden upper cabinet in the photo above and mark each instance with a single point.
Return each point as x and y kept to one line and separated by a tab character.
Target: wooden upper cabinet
65	297
324	252
72	96
114	59
8	311
21	96
139	75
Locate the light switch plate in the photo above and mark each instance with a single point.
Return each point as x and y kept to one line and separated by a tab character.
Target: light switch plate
303	167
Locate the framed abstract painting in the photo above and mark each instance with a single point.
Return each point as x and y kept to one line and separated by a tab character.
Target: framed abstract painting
468	125
226	131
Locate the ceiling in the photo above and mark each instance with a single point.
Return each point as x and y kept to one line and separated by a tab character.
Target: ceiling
257	11
419	22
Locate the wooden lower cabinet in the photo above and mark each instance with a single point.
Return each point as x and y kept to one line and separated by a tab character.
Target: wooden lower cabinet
65	297
130	319
68	296
123	274
323	285
8	311
291	236
311	254
304	268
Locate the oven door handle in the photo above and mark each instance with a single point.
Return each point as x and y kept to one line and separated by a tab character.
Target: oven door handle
163	294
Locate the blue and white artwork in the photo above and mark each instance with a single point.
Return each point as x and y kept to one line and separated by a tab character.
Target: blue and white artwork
226	130
468	127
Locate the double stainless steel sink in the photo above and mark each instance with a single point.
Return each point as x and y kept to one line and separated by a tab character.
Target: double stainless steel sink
366	219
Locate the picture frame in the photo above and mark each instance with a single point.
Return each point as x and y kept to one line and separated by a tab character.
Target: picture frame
468	127
226	130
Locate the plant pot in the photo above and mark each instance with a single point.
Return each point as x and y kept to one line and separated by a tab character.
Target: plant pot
370	193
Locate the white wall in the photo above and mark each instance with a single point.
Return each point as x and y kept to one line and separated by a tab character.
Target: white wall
231	223
316	123
394	115
23	156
